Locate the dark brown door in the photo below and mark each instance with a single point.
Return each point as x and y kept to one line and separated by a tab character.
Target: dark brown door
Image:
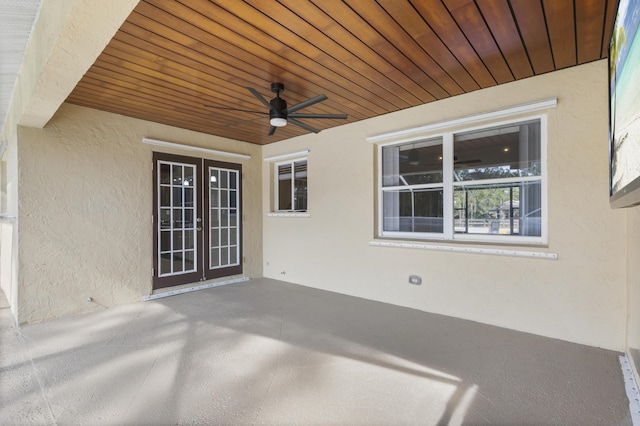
197	220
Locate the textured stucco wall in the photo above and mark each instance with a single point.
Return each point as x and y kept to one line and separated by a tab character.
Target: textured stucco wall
580	297
66	38
86	206
633	282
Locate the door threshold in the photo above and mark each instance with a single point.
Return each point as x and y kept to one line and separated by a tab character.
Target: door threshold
194	288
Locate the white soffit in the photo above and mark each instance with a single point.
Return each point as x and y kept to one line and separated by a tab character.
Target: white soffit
16	21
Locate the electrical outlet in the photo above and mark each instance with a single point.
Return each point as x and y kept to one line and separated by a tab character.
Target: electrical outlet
415	280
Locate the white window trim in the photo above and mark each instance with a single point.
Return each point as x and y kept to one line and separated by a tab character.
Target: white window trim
276	187
455	127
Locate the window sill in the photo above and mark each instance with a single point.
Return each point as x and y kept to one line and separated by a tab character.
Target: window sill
466	249
289	214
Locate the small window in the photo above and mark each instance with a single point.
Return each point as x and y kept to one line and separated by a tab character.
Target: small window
291	186
482	184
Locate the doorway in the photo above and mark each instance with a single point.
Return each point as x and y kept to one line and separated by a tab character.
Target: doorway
196	219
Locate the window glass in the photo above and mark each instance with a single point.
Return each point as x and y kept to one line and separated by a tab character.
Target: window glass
498	152
417	210
504	209
412	164
292	186
495	190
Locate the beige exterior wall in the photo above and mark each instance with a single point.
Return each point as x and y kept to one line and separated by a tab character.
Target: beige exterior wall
581	297
633	283
86	206
66	38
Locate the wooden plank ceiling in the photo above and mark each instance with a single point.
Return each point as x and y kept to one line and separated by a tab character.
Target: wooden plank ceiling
171	60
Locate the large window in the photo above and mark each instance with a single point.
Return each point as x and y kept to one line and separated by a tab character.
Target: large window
291	186
481	184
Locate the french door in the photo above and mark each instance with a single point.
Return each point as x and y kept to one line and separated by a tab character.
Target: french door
197	220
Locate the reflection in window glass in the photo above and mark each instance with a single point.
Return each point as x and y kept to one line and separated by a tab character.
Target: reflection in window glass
495	189
499	152
291	186
509	209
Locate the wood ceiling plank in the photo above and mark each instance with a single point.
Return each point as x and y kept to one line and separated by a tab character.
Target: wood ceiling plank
298	67
192	56
442	23
533	28
413	24
366	43
470	20
109	66
283	57
296	33
132	92
369	56
112	103
393	34
590	16
216	79
561	24
497	15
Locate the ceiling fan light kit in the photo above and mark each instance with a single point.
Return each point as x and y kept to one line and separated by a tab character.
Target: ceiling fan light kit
279	114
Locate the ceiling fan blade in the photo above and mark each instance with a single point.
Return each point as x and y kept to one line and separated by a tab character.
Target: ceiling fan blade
306	103
255	93
301	124
245	121
340	116
272	130
234	109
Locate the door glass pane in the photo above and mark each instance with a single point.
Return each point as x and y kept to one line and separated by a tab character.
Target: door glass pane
224	229
188	218
165	196
224	179
177	196
189	243
165	241
215	218
176	210
177	240
215	258
165	174
215	197
165	264
188	196
165	218
189	260
224	198
177	218
177	175
177	262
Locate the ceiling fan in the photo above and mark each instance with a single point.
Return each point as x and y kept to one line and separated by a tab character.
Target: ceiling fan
279	115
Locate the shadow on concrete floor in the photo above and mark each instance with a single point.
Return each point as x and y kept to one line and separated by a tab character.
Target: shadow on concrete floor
268	352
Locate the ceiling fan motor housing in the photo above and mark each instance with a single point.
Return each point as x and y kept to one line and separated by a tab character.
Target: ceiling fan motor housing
278	108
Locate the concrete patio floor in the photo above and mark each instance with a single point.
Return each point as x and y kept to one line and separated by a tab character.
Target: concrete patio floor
268	352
